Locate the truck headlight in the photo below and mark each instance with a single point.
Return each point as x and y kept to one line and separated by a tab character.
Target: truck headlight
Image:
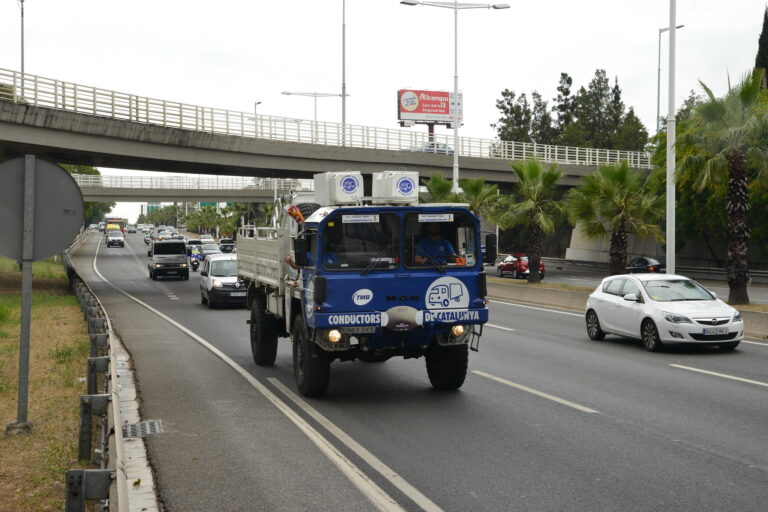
457	330
216	283
158	265
675	319
334	336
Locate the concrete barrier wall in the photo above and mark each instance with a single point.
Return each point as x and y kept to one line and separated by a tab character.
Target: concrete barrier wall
755	323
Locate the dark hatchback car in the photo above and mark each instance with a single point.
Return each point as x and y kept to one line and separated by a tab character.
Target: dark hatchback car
646	265
227	245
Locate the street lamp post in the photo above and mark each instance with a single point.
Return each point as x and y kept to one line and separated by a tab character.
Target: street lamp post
314	95
658	79
21	4
256	118
455	5
671	143
343	73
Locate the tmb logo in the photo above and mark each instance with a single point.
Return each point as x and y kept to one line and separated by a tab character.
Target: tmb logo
362	297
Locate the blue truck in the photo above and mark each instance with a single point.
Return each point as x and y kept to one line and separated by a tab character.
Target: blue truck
349	277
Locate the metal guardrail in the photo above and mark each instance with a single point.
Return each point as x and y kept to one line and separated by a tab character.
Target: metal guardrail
192	182
51	93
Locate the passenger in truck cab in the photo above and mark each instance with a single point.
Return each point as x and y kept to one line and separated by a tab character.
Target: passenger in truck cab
433	246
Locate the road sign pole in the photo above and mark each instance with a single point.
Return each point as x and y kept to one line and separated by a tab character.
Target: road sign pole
22	425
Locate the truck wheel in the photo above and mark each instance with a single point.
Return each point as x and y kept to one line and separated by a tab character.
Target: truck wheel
263	333
311	364
447	366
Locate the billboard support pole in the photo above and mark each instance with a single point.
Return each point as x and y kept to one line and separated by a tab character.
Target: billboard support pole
455	101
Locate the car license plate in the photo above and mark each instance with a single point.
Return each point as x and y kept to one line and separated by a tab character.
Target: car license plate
716	330
364	329
237	294
173	272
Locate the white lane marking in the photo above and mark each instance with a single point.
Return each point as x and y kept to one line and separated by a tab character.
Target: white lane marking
385	471
380	499
534	307
723	375
499	327
755	343
537	393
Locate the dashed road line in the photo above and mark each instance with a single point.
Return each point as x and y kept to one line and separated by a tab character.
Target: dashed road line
500	327
495	301
537	393
721	375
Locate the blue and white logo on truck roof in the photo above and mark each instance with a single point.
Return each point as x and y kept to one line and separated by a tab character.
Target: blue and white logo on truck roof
447	293
406	186
349	184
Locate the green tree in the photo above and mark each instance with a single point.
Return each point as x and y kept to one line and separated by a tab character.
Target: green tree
726	142
631	135
616	199
439	189
480	196
533	204
565	104
542	130
515	121
761	60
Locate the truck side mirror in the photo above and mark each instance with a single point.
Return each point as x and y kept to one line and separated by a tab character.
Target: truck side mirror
490	249
300	248
149	254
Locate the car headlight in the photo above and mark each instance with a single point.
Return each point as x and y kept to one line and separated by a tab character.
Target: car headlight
183	265
737	316
675	318
216	283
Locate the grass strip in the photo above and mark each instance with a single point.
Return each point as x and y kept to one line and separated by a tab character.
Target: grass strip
32	467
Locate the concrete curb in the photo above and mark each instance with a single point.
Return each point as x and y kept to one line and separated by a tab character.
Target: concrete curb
756	323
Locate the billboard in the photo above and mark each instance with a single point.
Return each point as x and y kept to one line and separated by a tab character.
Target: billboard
427	106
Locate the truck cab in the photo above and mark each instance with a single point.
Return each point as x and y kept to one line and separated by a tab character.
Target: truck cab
371	281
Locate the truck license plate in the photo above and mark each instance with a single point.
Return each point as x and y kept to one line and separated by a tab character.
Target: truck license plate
716	330
364	329
237	294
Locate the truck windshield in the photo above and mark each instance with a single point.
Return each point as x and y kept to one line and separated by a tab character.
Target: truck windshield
162	248
357	242
440	240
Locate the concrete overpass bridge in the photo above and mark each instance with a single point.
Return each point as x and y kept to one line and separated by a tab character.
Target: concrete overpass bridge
78	124
186	188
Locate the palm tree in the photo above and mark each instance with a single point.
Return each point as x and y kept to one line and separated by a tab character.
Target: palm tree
439	189
481	197
725	141
533	204
618	200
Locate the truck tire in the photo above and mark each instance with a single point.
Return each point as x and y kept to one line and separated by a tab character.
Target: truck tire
307	209
447	366
311	364
263	333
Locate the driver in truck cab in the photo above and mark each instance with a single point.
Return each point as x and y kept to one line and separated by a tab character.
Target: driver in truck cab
433	246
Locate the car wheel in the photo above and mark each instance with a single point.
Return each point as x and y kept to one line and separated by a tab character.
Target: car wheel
211	303
263	333
203	300
514	274
593	326
311	364
727	347
447	366
649	335
499	273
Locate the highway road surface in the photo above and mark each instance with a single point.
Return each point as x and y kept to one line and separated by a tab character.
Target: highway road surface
547	420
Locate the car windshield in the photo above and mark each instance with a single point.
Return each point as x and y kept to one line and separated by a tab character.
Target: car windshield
356	242
670	290
210	247
224	268
116	234
171	248
438	239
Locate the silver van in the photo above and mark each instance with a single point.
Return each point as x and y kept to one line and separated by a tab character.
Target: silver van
168	258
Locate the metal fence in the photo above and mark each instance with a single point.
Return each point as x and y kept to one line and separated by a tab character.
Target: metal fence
192	182
51	93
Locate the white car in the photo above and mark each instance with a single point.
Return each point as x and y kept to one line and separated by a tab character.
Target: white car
662	309
219	283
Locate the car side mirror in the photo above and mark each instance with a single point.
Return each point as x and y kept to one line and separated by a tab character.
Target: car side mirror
631	297
491	251
300	248
204	273
149	254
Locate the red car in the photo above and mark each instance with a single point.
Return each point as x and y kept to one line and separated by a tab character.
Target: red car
516	265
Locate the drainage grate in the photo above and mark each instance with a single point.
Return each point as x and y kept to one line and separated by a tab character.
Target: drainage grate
143	428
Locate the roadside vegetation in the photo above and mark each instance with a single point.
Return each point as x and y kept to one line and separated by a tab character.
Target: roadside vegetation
32	467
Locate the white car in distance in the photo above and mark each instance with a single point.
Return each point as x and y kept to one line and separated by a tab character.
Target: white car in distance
662	310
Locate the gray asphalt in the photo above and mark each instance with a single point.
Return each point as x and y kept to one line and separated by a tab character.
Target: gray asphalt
662	438
758	293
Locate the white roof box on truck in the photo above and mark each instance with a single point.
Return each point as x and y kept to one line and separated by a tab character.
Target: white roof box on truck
337	188
400	187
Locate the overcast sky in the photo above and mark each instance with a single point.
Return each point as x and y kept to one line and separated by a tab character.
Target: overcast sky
230	54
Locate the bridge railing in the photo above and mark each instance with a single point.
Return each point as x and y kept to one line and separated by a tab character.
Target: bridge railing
47	92
192	182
